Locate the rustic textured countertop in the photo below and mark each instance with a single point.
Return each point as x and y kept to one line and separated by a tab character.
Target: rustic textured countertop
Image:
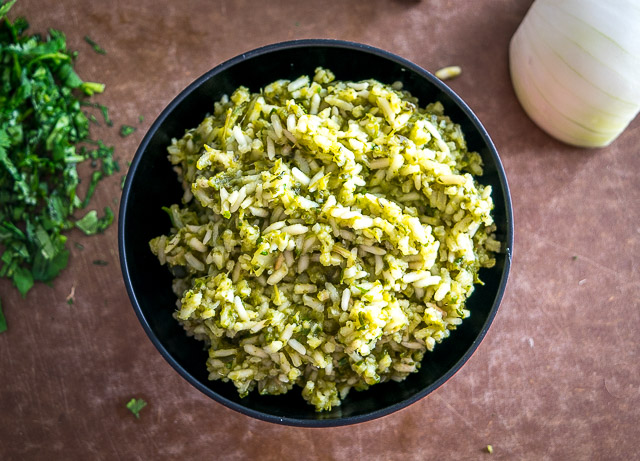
557	376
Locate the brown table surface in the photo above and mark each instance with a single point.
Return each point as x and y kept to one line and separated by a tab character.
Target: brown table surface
556	377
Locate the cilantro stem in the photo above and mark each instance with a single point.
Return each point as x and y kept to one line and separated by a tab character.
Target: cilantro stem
3	320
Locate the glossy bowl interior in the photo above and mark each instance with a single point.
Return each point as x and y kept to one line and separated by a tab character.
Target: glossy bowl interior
151	184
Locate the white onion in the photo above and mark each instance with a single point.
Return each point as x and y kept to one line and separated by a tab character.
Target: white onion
575	67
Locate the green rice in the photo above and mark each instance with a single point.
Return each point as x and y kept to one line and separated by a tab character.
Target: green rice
329	236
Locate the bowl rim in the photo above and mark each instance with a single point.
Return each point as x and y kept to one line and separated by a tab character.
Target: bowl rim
291	44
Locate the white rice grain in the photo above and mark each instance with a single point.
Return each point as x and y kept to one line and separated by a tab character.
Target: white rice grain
346	296
274	227
242	313
277	125
379	163
300	176
298	83
303	263
295	345
256	351
373	250
223	352
271	149
194	262
295	229
260	212
242	194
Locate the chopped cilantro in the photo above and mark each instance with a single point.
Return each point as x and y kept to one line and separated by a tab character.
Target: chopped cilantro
79	246
95	177
135	405
91	87
103	109
126	130
141	119
4	9
42	132
3	321
90	224
97	48
105	114
100	262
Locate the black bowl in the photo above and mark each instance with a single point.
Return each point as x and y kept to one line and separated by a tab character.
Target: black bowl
151	184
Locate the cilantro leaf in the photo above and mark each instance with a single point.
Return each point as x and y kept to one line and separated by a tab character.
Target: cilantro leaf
4	9
22	279
126	130
90	224
135	406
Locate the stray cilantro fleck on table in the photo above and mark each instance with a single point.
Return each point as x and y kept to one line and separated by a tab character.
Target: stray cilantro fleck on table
103	109
135	405
97	48
3	320
126	130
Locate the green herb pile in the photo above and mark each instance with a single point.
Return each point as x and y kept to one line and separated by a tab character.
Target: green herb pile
44	135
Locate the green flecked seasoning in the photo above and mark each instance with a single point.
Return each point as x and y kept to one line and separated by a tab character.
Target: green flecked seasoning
329	235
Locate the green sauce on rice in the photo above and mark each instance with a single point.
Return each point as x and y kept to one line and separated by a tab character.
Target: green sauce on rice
330	234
